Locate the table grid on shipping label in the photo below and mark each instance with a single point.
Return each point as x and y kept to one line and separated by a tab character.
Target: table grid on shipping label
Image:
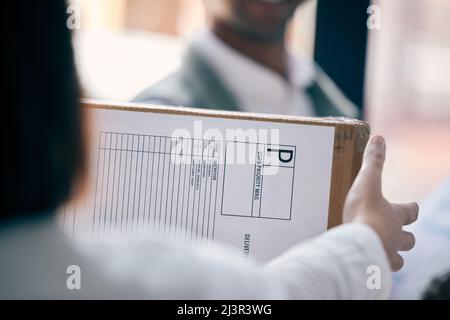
138	185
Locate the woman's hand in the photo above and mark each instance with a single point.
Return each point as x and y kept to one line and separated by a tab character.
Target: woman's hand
365	204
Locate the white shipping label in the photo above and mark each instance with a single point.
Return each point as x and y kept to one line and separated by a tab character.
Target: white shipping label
258	186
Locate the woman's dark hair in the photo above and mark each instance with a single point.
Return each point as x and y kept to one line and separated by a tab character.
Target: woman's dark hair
41	117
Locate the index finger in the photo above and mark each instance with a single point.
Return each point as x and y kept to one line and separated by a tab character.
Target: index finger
408	212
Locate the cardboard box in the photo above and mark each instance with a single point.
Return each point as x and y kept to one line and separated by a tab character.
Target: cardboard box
350	139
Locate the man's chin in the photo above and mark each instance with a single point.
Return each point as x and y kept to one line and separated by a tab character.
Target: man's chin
260	35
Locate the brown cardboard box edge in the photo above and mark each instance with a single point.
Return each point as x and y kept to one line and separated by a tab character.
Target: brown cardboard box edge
350	139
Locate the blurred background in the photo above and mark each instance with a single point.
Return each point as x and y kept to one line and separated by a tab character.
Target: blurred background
397	74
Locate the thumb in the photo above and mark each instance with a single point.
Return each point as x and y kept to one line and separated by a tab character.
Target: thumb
372	166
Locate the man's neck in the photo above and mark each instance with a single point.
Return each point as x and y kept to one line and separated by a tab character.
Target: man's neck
272	55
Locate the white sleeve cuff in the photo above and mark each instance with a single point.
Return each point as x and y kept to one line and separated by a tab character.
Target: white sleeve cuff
347	262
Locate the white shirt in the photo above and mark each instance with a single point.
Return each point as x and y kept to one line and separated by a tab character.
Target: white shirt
257	88
34	257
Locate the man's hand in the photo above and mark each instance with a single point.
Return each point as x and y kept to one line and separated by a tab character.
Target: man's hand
365	204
